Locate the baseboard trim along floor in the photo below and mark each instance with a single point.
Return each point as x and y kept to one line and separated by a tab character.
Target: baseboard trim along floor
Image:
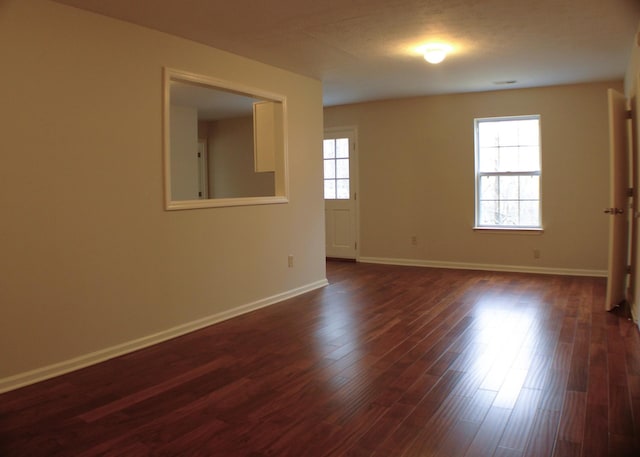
85	360
484	267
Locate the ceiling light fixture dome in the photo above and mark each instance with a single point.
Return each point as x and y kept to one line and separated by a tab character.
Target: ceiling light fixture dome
435	54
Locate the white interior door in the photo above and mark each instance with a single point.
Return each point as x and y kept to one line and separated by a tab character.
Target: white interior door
340	185
635	227
618	211
634	146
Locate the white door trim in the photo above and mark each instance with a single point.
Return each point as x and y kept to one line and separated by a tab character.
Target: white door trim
351	131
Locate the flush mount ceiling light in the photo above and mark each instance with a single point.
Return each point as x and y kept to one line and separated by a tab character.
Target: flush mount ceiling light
435	54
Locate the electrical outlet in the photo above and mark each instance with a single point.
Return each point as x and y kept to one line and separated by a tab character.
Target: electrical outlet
290	261
414	240
536	253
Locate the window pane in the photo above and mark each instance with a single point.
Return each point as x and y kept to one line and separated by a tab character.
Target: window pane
488	134
343	189
329	169
508	159
342	147
509	214
330	189
508	133
530	187
489	188
529	132
342	168
488	159
530	214
329	149
529	159
488	213
508	187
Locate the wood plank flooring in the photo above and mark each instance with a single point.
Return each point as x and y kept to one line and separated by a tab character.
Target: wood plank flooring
385	361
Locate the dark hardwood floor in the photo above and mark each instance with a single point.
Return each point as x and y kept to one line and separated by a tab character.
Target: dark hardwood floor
385	361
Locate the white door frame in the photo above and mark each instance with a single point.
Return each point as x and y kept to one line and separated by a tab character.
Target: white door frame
351	131
634	291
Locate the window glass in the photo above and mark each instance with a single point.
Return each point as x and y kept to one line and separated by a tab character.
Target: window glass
336	169
329	169
342	168
342	148
342	192
508	172
329	149
329	189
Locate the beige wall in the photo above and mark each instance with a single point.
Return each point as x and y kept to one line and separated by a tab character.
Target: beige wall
90	259
633	69
184	162
417	177
231	161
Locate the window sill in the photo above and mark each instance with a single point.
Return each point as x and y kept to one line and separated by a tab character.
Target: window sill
510	230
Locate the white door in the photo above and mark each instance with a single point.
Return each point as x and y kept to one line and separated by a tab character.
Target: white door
340	185
634	146
618	211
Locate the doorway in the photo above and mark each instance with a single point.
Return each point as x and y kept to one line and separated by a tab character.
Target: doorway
340	193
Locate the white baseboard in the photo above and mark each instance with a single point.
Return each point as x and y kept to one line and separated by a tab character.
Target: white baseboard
57	369
484	267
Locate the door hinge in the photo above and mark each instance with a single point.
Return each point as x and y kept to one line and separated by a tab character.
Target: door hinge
629	269
355	245
630	192
199	194
198	154
629	114
355	195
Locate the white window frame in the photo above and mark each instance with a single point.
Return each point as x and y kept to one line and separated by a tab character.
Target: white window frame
479	175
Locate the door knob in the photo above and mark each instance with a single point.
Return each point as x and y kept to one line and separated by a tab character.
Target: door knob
613	211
